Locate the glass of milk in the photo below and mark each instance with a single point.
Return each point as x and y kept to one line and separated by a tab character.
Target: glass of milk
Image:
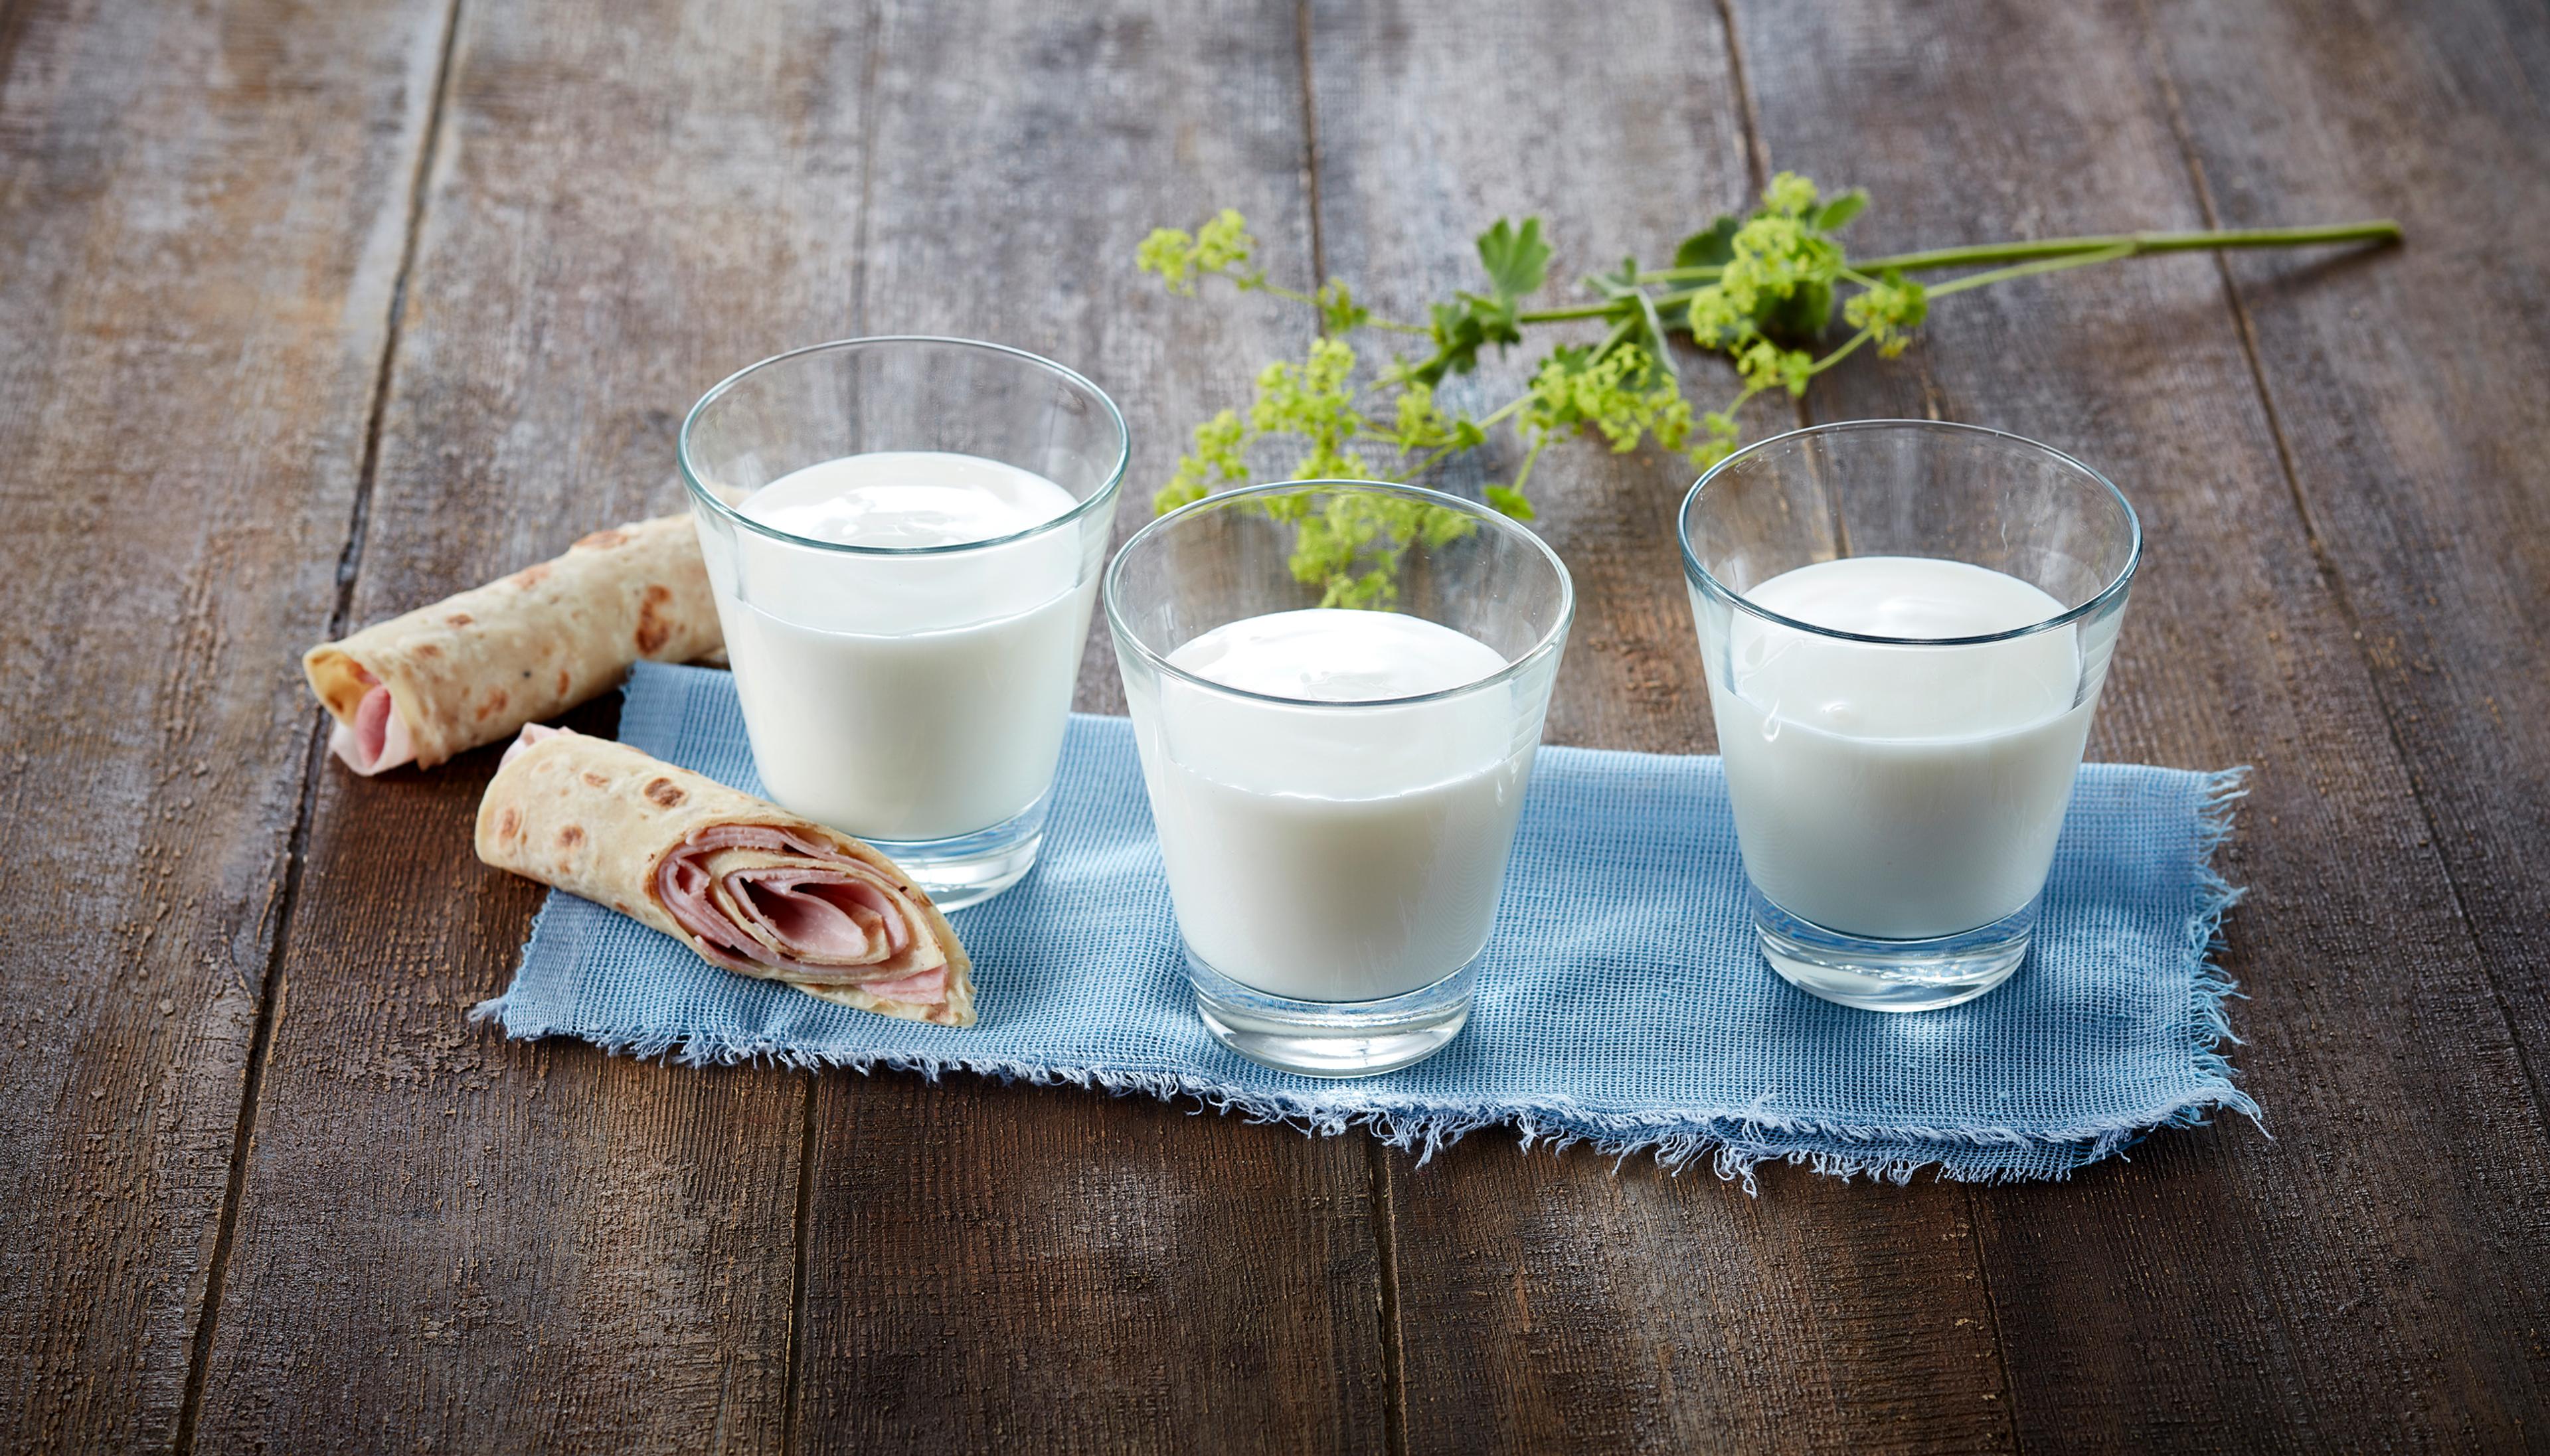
904	536
1905	625
1336	786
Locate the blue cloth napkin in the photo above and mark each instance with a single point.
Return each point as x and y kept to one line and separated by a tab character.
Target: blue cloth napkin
1621	1002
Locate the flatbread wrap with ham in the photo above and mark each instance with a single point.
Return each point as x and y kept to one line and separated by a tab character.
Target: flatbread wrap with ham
747	885
472	668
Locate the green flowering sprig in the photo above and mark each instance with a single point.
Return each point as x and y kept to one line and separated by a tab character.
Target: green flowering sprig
1761	290
1222	249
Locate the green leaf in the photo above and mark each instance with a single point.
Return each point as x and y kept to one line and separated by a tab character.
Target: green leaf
1800	317
1510	501
1650	335
1461	328
1636	308
1839	210
1339	312
1712	248
1517	260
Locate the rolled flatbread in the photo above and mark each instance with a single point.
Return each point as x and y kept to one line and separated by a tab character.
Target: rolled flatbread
749	885
472	668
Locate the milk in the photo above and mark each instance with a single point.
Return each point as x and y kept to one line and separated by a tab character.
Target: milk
1327	853
905	697
1891	792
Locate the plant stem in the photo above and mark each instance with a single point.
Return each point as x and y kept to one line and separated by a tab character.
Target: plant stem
1663	300
1314	300
1280	291
2127	245
1530	457
1428	463
1843	353
2382	230
2041	265
1556	316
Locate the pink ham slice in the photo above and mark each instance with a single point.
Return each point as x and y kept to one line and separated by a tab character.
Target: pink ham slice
377	738
834	920
531	732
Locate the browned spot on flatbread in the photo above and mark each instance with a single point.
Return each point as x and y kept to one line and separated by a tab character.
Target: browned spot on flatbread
599	781
570	837
529	576
509	823
653	631
428	649
562	682
493	704
602	541
458	619
665	791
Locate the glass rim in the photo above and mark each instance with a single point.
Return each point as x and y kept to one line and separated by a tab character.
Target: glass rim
2111	589
700	493
1546	645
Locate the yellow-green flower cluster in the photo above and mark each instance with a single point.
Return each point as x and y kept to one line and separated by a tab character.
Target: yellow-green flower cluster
1220	457
1761	290
1889	310
1316	401
1181	258
1620	394
1780	252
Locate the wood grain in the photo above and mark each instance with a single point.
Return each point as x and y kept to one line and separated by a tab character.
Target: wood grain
1552	1301
446	1240
2417	447
1434	121
2358	1281
421	1235
991	1268
201	214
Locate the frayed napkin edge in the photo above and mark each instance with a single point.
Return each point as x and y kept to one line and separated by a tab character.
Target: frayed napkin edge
1736	1144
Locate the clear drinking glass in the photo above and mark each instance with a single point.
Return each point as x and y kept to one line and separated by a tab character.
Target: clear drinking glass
912	695
1905	625
1334	853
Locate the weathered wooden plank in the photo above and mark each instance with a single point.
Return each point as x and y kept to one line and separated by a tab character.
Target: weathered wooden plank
446	1240
2417	447
2365	1279
995	1268
1437	119
1013	1269
1549	1302
620	1268
202	210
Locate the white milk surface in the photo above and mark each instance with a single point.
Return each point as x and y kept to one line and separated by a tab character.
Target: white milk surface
1896	792
905	697
1323	854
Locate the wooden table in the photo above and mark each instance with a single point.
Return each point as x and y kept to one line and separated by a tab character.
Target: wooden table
313	313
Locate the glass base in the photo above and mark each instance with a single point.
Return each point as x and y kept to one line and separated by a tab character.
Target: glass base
1332	1038
1892	975
968	869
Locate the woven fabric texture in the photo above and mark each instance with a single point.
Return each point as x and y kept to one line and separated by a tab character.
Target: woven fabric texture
1621	1001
